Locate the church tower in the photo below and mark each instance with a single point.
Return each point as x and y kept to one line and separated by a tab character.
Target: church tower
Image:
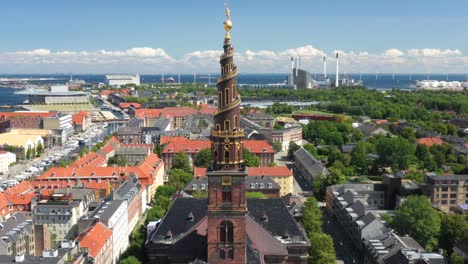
227	209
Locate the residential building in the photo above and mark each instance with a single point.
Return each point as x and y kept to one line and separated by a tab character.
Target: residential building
62	122
279	174
129	135
61	211
133	153
49	97
446	192
97	241
17	236
91	159
308	166
261	119
21	198
131	191
430	141
6	159
122	79
23	144
370	130
81	121
4	208
114	215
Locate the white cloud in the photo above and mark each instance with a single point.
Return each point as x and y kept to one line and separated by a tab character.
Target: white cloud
434	52
157	60
36	52
393	53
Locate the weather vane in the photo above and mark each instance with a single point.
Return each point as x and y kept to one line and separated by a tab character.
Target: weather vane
227	22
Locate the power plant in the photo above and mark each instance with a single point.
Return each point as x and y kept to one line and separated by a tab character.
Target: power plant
302	79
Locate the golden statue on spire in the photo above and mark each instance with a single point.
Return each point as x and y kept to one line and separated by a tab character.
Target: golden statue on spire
227	22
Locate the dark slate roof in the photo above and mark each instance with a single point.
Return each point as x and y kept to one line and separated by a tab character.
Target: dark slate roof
176	221
312	165
358	208
128	189
18	220
129	131
368	129
135	122
279	220
108	209
76	193
348	148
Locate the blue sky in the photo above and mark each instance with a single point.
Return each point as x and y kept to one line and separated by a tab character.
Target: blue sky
179	28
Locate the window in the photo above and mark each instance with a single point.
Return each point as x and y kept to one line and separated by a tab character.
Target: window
222	254
226	156
453	195
226	98
444	202
226	232
231	254
220	98
227	125
453	201
236	121
444	195
226	194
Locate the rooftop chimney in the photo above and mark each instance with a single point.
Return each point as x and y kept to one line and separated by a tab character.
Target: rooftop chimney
324	67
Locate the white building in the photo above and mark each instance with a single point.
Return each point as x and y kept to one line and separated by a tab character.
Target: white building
6	158
113	214
122	79
62	122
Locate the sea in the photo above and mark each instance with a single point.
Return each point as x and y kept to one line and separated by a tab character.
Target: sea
371	81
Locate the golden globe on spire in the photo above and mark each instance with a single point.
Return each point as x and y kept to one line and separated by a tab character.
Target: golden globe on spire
228	23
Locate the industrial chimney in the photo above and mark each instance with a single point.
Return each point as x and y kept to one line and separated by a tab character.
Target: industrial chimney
324	67
291	82
337	70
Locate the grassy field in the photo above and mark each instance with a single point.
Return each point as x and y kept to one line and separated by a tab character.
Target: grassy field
60	107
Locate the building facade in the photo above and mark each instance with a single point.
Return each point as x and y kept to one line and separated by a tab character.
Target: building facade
122	79
446	192
17	236
6	159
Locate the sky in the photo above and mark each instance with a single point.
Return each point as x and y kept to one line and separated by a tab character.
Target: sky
156	36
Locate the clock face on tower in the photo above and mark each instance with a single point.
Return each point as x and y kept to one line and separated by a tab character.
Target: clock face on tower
226	181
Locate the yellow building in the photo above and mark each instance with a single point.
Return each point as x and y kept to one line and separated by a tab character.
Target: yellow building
23	140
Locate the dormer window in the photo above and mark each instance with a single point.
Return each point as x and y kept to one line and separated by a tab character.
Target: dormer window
194	186
262	185
203	186
190	217
270	185
252	186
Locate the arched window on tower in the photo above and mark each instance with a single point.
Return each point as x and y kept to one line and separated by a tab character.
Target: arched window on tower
226	156
220	99
226	96
226	232
222	254
236	122
215	155
227	125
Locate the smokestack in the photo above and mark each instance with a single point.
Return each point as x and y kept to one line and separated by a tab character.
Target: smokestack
292	71
324	67
297	65
337	70
300	61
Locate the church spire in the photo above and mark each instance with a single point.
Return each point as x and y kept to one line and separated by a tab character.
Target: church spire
226	135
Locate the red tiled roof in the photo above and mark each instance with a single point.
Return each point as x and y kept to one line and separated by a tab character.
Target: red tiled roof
126	105
3	152
430	141
78	119
114	139
21	188
118	91
3	205
108	148
148	113
26	113
95	238
167	111
178	144
279	171
20	199
258	146
208	109
381	122
92	159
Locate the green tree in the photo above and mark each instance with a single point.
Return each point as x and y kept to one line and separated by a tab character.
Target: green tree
311	149
420	220
28	153
359	158
311	219
130	260
250	159
415	176
334	155
255	195
277	146
293	147
181	161
453	229
322	250
165	190
200	194
203	158
39	149
396	152
158	149
456	259
179	178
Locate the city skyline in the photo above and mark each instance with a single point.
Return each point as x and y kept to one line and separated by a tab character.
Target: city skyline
160	36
